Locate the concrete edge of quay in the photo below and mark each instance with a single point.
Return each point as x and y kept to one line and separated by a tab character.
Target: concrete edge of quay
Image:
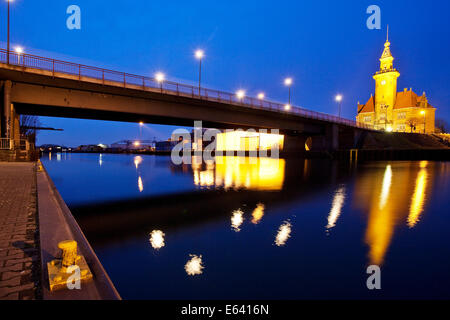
56	223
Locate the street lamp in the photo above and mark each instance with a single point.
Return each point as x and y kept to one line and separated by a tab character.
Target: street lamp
424	119
287	107
339	101
8	42
160	77
140	130
261	96
19	51
288	83
240	94
199	54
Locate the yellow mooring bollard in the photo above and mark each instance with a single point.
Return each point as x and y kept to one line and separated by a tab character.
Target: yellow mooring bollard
60	273
40	167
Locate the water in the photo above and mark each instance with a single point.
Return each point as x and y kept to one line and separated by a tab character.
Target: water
275	229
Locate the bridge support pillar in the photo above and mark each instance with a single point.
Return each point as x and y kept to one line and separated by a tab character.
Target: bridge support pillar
294	143
328	141
9	118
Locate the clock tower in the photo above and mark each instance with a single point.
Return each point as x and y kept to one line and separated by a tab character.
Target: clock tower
385	89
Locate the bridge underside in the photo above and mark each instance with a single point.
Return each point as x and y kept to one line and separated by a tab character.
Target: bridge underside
42	95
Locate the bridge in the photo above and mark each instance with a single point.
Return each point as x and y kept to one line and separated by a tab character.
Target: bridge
36	85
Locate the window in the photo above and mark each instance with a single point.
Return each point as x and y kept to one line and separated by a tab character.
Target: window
367	119
401	115
401	127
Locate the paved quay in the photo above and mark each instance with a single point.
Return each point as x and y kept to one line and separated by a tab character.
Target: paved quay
19	239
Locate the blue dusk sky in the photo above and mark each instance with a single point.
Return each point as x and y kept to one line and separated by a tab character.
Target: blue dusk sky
324	45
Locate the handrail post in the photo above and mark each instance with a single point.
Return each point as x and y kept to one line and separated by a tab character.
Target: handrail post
178	92
53	65
79	72
124	80
103	76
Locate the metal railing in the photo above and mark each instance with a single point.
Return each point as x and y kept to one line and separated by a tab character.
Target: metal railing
58	68
5	144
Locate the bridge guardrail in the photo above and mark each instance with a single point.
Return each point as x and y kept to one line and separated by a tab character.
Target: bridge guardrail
5	144
128	80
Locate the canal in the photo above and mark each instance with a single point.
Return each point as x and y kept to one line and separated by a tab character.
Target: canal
271	229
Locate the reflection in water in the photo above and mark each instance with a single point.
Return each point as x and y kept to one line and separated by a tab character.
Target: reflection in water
100	159
241	172
157	239
58	157
258	213
237	219
381	222
384	201
194	266
336	207
418	197
284	233
140	184
137	161
387	180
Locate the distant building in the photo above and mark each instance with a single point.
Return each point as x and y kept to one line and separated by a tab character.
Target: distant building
90	148
395	111
133	145
165	146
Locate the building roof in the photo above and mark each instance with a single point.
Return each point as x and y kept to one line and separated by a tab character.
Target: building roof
368	107
405	99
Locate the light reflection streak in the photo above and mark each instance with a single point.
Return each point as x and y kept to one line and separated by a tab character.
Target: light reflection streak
157	239
284	233
137	161
336	207
418	198
237	219
387	180
140	184
258	213
194	266
100	159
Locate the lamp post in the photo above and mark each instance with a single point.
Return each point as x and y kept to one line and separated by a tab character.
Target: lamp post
19	51
8	41
339	101
288	83
140	130
240	94
424	119
199	54
159	76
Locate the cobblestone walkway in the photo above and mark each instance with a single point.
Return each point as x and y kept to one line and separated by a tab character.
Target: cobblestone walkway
19	238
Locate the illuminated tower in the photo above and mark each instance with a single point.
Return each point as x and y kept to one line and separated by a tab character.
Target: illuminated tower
385	89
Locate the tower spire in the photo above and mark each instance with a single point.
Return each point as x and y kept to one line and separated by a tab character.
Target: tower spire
387	34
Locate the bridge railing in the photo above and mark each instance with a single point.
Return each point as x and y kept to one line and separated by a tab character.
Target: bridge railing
5	144
127	80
